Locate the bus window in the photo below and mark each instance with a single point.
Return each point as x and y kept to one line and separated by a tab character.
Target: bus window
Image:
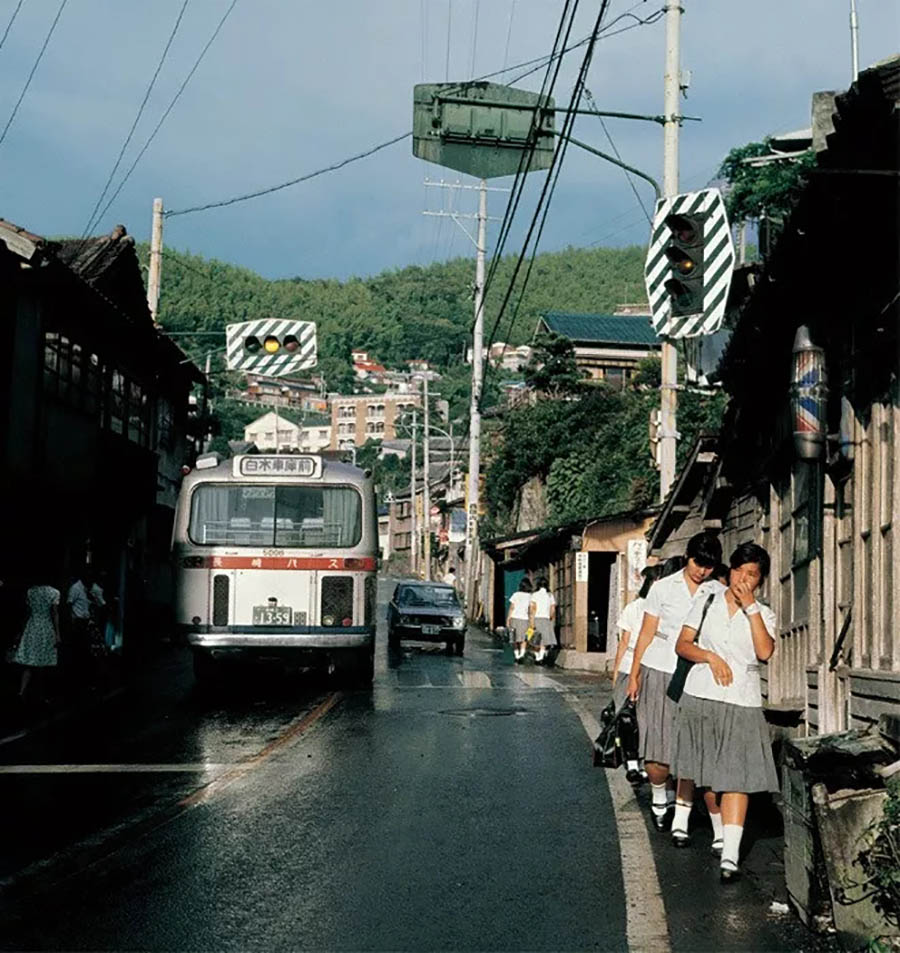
282	516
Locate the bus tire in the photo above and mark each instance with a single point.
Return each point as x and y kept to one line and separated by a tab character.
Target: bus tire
362	673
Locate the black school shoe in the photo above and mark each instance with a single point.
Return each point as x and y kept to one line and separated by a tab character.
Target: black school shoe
681	839
662	821
729	875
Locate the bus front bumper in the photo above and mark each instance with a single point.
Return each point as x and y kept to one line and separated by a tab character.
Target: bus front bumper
280	637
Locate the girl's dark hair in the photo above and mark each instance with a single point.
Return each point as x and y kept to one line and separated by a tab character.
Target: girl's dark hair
543	582
672	565
751	553
721	572
705	549
651	574
525	585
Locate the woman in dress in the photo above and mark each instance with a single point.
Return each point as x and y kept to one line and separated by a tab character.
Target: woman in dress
37	650
721	739
518	619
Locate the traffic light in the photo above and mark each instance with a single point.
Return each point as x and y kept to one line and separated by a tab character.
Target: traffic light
684	251
271	347
690	260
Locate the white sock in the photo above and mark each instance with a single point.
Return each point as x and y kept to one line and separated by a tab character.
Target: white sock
658	799
682	814
716	821
631	765
731	849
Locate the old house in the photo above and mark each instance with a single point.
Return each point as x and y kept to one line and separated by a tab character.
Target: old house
807	460
95	429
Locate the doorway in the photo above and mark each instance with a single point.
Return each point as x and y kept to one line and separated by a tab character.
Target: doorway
600	571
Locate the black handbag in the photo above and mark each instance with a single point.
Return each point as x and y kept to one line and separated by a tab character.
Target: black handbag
683	666
607	748
627	724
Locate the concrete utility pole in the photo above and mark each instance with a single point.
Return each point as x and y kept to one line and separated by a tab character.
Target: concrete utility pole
414	540
475	409
672	110
426	489
155	271
854	42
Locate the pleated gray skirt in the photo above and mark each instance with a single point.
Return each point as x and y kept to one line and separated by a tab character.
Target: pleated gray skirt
656	716
724	747
543	633
517	629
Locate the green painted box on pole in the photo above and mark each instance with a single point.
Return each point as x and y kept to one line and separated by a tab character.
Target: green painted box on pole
482	129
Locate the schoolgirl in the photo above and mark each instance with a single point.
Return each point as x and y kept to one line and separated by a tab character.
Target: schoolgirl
721	739
518	619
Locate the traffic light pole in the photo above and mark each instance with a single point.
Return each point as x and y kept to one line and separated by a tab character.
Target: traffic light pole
474	407
668	434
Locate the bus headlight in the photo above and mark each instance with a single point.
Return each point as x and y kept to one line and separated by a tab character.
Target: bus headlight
459	622
327	620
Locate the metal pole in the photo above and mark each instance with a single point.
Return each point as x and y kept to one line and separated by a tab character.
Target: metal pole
206	369
426	489
854	40
414	538
155	271
452	484
669	376
475	411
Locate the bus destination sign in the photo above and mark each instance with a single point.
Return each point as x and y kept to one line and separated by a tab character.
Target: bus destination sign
286	465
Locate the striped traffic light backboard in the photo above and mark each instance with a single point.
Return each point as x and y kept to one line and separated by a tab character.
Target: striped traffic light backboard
689	264
270	346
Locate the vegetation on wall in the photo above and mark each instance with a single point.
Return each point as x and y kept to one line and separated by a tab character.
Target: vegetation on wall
767	190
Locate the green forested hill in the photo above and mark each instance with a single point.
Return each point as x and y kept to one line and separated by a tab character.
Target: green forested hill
414	312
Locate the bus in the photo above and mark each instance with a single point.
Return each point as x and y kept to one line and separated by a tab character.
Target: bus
275	559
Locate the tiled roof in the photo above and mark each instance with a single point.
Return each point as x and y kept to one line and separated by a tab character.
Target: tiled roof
602	328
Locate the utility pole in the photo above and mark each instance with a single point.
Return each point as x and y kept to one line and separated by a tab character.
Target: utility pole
414	540
426	489
155	271
475	406
854	41
669	377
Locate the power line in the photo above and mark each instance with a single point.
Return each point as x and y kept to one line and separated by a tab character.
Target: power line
12	20
137	118
449	21
40	55
169	108
512	11
474	36
285	185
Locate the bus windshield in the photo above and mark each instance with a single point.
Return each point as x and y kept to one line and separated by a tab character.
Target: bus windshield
284	516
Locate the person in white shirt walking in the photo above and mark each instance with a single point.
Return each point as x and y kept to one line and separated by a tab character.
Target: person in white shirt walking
668	603
721	738
544	619
450	577
519	618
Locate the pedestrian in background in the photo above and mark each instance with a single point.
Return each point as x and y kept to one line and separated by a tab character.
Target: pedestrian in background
544	619
721	739
450	577
39	644
665	610
519	618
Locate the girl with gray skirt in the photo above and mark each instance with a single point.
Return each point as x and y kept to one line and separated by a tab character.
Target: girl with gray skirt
544	619
721	739
518	619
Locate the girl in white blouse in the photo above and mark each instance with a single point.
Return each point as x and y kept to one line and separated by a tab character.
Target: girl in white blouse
721	738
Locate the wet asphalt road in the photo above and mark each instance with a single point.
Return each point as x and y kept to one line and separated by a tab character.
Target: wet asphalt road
453	807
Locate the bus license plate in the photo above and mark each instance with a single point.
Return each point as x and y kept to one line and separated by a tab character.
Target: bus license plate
431	630
272	615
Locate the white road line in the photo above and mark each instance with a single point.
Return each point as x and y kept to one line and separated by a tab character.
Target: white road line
196	768
648	930
475	679
539	680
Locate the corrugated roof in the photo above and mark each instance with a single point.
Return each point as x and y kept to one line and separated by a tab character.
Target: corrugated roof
602	328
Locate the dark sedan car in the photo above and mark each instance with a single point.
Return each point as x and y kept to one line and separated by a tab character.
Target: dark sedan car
427	612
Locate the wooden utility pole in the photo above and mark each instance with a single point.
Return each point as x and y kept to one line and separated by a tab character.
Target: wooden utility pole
155	271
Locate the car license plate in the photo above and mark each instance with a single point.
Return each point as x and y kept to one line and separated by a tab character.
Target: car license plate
272	615
431	630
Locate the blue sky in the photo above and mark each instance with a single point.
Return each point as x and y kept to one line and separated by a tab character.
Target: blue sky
289	87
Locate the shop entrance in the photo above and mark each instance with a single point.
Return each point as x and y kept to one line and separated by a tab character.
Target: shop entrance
601	567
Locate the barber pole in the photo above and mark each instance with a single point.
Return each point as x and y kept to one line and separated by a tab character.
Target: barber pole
809	396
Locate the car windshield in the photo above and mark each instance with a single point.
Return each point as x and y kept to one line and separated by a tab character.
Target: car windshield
428	596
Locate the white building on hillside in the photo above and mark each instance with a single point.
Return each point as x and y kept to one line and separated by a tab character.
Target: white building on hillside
302	438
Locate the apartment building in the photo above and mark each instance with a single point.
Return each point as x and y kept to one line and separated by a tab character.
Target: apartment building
361	417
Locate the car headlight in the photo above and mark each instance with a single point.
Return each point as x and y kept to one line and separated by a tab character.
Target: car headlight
459	622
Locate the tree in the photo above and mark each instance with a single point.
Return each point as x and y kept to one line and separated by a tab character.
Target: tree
765	190
551	370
